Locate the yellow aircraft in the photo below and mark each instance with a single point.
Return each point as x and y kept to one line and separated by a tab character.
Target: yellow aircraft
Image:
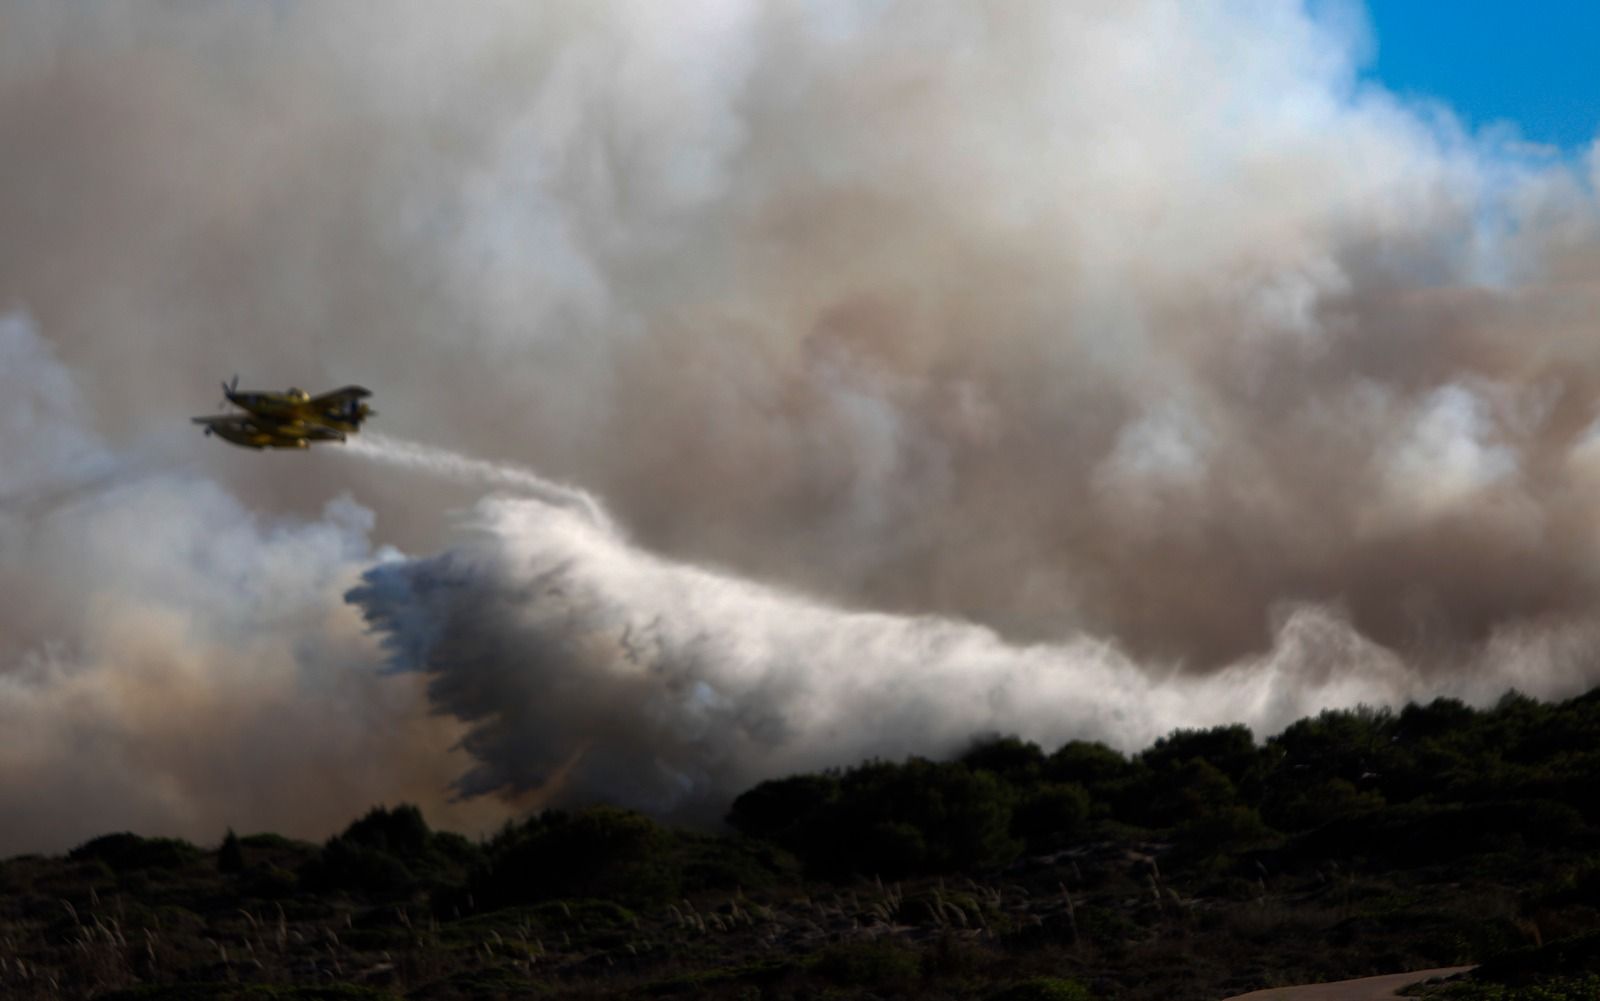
293	419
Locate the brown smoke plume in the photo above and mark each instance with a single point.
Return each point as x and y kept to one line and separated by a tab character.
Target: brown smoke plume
1142	328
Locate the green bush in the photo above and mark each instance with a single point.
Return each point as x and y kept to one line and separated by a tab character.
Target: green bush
269	882
1224	831
1231	750
712	862
392	853
1092	765
1178	792
1009	758
886	819
600	852
1337	743
779	810
350	866
401	832
1301	807
1043	989
1050	813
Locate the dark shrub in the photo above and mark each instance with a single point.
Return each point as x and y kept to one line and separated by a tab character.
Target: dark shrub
1049	814
125	852
887	847
779	810
1091	765
1010	758
391	853
962	817
1178	793
1301	807
1231	750
1342	742
1439	718
230	857
269	882
346	865
728	863
885	819
401	832
600	852
1226	831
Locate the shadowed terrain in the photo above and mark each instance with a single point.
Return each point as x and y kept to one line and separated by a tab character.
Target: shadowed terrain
1351	844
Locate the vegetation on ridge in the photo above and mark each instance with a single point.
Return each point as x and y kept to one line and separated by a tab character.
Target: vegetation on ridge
1355	842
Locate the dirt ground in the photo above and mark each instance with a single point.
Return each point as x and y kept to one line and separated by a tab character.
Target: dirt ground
1364	989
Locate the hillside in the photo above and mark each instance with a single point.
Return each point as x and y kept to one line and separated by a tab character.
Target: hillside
1354	843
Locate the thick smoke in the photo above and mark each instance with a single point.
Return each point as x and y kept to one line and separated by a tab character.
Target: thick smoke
590	669
1090	368
172	660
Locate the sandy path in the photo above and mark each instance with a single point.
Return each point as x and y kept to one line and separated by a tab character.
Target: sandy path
1365	989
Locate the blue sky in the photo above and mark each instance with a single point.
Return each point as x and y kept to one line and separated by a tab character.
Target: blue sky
1537	64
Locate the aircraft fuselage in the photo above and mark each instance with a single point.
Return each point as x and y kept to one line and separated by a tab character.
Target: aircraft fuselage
292	419
344	414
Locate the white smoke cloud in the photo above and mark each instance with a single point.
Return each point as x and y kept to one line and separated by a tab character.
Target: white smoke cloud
587	669
175	662
1091	369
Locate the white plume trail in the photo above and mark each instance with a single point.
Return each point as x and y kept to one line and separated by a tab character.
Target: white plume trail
587	668
466	469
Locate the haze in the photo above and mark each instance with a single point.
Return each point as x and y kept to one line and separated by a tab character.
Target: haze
1069	370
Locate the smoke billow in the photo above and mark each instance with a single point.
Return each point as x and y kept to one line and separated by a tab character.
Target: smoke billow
586	668
1062	369
172	660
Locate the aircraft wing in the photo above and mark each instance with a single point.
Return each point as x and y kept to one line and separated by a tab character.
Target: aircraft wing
338	399
232	422
252	431
341	409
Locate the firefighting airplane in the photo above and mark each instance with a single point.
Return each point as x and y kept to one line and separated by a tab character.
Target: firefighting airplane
293	419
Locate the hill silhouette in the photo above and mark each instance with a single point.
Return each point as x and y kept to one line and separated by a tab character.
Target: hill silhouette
1355	842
